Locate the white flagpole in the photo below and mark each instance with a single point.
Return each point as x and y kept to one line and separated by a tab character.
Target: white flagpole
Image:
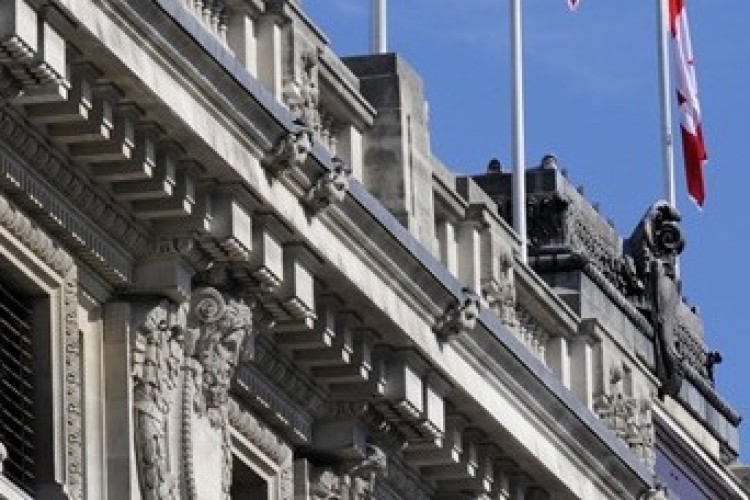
517	127
378	42
667	144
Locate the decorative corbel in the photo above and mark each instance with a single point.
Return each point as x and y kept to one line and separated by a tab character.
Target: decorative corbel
460	315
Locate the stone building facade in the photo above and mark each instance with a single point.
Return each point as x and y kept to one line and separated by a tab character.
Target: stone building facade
233	269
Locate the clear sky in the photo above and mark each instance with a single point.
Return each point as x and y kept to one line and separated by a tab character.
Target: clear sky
592	100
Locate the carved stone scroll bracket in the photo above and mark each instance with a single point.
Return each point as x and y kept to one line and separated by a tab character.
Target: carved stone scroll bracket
291	151
217	330
460	316
331	186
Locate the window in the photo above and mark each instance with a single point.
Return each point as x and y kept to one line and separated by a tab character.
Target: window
17	423
246	484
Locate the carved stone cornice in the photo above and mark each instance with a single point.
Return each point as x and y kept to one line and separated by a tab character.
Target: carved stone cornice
289	378
75	195
34	238
275	387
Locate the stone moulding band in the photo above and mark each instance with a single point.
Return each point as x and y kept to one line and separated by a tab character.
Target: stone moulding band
34	238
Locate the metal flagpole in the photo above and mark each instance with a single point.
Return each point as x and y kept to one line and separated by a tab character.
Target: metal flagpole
517	127
667	144
379	27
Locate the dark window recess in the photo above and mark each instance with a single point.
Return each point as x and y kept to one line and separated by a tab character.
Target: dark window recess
246	484
17	388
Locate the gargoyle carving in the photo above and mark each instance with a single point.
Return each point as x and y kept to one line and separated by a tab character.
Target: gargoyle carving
460	316
331	186
291	151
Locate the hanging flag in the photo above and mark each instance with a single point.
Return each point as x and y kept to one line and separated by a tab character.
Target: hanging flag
693	147
573	4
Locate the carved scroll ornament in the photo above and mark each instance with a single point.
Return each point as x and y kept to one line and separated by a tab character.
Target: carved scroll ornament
197	348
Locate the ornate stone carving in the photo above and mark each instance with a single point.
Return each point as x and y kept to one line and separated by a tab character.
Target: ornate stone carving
291	151
460	316
533	335
220	330
546	216
157	355
73	391
302	94
202	345
657	237
356	484
629	417
78	192
501	293
331	186
654	245
258	433
20	226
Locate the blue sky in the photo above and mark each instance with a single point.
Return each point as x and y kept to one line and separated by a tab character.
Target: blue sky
591	99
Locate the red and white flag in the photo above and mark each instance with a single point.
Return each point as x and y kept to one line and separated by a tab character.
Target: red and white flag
693	147
573	4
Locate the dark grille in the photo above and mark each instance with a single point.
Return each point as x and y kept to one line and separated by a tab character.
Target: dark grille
17	388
